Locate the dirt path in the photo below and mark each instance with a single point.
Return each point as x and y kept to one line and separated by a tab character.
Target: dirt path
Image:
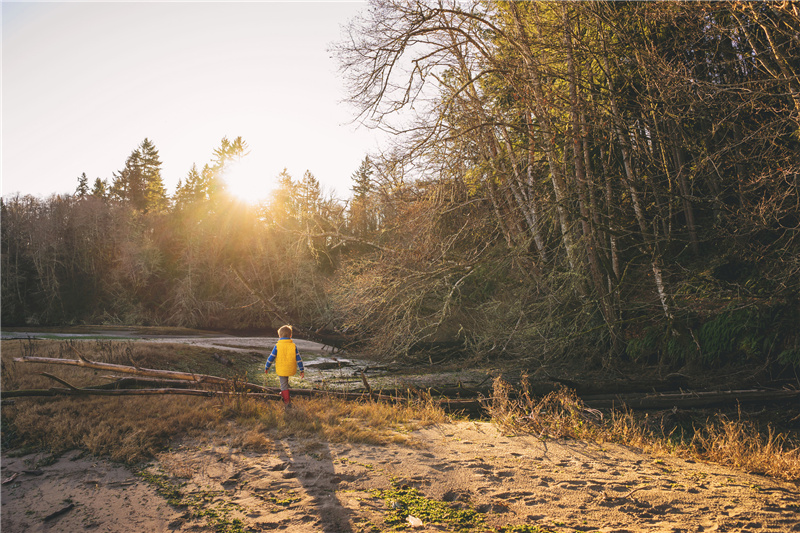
301	486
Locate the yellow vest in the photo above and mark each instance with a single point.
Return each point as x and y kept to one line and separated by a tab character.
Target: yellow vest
286	359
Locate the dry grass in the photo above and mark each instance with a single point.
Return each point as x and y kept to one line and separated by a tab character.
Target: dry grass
739	443
722	440
125	429
134	428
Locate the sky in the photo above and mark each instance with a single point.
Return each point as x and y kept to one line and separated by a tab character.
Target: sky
83	84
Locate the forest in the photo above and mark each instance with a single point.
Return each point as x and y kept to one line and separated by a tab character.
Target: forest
585	183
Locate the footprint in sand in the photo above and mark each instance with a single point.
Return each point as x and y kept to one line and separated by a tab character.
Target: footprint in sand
535	501
497	507
572	484
455	496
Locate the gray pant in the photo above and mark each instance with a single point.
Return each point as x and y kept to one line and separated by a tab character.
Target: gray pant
284	382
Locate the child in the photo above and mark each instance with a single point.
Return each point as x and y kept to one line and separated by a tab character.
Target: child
287	360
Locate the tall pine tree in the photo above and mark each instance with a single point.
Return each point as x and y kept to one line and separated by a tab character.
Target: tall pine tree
140	182
362	220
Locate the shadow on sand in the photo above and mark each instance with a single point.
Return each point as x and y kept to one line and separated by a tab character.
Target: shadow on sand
313	467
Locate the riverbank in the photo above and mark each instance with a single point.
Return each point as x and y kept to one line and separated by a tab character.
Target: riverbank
452	475
240	464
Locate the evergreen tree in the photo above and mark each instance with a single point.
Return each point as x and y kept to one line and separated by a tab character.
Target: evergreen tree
83	186
361	219
155	194
309	195
100	189
191	190
282	208
228	152
140	182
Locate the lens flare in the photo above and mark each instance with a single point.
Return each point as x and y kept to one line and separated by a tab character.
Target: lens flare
247	181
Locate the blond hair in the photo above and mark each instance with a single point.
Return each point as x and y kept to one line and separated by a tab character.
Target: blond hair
285	331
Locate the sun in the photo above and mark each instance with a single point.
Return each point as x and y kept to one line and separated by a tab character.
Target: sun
247	180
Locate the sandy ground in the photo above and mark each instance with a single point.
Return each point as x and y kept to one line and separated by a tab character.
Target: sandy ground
321	487
104	497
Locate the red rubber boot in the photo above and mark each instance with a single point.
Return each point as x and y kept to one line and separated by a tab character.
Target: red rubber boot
286	400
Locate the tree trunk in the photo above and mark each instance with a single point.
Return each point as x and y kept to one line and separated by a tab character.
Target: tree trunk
539	109
147	372
688	211
628	179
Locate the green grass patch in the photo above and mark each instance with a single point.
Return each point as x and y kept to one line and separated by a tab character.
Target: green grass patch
206	505
403	501
164	487
281	498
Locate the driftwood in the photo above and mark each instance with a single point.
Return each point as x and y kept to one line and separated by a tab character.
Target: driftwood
147	372
59	512
141	382
469	406
58	391
366	384
115	389
656	401
459	406
173	382
685	400
164	377
583	389
673	382
129	383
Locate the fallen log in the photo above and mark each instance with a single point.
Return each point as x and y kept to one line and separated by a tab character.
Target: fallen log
460	393
672	383
57	391
268	393
147	372
101	390
141	382
686	400
464	406
644	402
471	407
